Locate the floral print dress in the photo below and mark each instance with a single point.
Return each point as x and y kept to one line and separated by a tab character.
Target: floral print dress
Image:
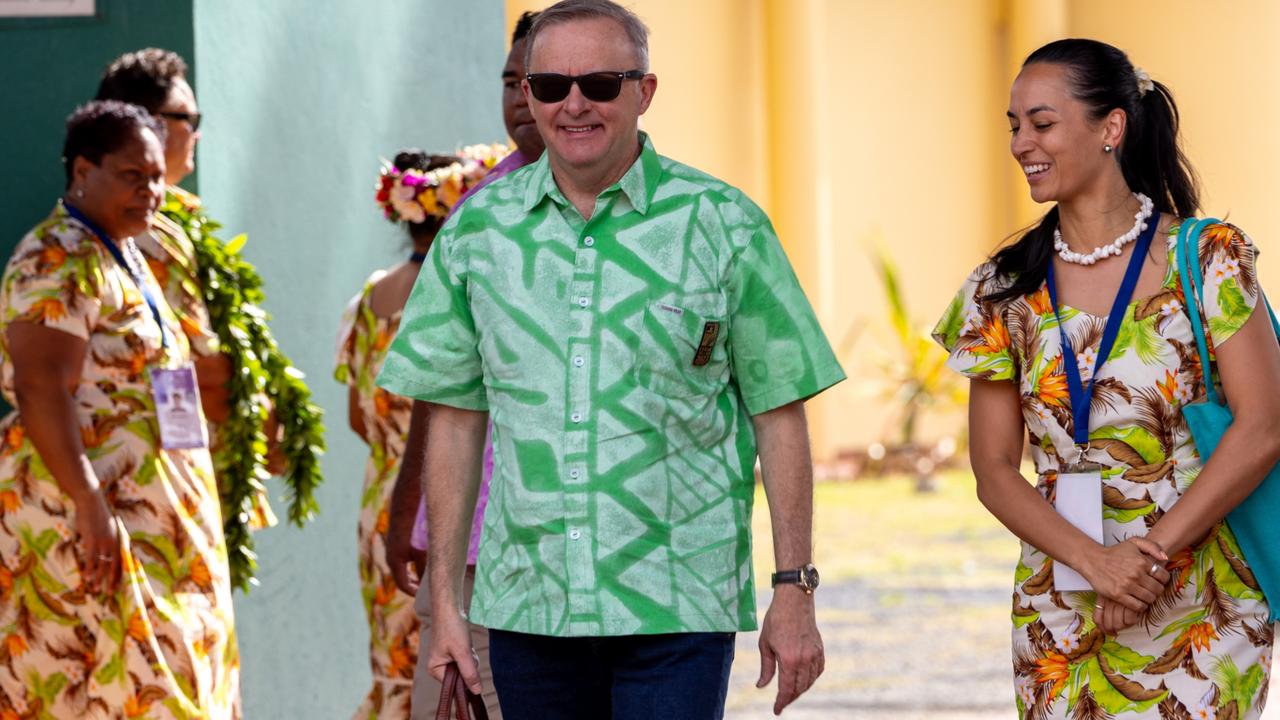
1203	650
162	646
393	627
172	259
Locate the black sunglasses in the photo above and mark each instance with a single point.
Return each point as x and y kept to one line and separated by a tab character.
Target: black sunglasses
192	119
596	86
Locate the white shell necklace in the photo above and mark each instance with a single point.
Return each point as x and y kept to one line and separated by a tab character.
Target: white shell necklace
1139	224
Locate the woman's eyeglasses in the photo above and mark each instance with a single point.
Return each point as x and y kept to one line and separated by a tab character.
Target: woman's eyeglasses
192	119
596	86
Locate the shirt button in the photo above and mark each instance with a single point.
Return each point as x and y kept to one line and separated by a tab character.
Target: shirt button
578	361
583	302
575	534
575	473
576	417
589	241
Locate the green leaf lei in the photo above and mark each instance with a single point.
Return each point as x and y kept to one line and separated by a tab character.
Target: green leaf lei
232	291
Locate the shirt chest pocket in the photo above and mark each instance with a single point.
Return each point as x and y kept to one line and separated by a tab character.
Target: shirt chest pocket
683	349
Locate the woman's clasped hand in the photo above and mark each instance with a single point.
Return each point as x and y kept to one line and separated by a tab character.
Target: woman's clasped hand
1129	578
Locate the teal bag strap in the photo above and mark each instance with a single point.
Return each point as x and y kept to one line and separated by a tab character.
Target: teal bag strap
1188	255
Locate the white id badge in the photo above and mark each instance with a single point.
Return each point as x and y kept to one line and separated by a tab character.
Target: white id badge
1079	500
177	400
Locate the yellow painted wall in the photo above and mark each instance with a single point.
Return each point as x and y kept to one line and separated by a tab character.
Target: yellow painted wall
862	121
916	134
1222	62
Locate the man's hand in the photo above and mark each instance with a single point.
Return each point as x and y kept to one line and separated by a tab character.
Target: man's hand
408	564
454	451
451	642
790	641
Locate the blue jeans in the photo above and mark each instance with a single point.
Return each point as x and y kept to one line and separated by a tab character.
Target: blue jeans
635	677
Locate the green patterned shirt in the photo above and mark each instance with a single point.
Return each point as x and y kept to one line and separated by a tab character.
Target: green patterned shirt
620	359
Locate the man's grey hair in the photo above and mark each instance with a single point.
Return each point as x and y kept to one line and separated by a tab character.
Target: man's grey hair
568	10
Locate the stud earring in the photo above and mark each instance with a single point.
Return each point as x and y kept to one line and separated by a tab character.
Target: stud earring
1106	148
80	193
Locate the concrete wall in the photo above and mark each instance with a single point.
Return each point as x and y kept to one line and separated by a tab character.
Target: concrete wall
302	97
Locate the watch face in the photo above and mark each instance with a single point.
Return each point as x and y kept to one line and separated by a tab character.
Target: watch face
810	576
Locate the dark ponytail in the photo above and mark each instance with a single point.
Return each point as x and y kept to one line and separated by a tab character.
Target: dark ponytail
1149	154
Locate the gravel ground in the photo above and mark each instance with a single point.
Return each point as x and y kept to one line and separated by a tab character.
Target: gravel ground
900	653
916	618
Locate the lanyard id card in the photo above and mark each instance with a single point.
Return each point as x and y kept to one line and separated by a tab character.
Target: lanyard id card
177	399
1079	486
1078	500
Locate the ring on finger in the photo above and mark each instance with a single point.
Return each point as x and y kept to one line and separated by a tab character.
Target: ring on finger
1154	568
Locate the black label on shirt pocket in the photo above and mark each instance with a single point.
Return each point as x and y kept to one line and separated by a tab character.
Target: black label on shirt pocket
685	351
710	332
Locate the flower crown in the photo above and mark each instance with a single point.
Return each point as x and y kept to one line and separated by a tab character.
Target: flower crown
415	195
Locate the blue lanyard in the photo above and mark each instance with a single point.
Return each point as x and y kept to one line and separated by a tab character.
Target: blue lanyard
1081	396
126	265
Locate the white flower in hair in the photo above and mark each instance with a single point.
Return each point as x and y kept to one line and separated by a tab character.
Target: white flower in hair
1145	85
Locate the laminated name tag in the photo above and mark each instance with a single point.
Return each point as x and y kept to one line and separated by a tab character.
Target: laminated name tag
1079	500
177	399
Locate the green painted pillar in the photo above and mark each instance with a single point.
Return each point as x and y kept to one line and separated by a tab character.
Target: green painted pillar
48	66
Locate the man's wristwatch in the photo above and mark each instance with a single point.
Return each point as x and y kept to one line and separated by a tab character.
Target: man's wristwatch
806	577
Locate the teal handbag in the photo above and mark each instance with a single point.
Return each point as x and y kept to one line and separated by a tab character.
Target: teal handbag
1253	521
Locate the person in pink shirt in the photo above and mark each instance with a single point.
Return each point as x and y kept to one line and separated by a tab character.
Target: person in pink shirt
406	536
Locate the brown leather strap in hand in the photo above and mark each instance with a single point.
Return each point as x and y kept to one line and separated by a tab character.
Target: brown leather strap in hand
454	692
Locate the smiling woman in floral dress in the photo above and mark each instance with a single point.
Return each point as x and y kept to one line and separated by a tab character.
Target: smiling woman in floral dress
1178	627
115	597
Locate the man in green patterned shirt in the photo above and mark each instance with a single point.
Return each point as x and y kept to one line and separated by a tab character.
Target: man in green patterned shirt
636	333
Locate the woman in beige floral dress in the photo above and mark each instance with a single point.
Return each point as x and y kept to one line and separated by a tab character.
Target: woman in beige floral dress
114	593
381	419
1176	626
